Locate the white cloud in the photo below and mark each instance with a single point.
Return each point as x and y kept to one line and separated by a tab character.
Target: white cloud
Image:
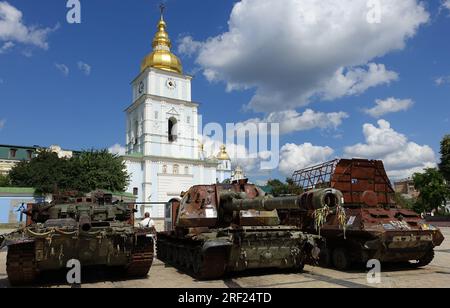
297	51
292	121
295	157
446	4
442	80
401	157
2	123
389	105
85	68
187	46
12	28
356	81
63	69
117	149
6	47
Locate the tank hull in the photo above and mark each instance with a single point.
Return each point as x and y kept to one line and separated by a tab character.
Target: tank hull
212	254
32	251
373	233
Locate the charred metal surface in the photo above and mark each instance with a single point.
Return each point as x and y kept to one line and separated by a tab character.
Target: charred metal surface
94	230
376	227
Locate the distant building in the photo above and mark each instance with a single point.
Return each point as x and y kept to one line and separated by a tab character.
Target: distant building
238	174
10	155
406	188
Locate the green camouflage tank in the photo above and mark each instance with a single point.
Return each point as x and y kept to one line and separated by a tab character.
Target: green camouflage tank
93	230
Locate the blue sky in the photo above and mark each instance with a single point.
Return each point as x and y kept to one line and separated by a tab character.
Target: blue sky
41	104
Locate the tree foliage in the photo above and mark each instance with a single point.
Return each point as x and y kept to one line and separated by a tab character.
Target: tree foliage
444	166
404	202
278	188
90	170
433	190
4	180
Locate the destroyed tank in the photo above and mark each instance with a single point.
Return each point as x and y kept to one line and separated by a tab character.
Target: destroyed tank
226	228
375	226
93	230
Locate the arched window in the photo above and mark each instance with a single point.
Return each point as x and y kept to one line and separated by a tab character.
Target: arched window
164	169
176	169
136	133
172	129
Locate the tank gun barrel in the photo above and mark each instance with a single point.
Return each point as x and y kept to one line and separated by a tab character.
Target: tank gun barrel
85	223
314	199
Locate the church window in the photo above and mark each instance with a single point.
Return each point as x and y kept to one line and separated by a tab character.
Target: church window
164	169
12	153
136	132
176	169
172	130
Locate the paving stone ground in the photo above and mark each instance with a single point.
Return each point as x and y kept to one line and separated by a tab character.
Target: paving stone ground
436	275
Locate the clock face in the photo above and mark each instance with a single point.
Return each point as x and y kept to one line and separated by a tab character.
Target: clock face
171	84
141	87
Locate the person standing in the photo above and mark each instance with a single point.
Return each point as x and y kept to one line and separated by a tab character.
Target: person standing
147	222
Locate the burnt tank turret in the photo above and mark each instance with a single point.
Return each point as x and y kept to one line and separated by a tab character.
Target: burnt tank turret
94	230
375	226
234	227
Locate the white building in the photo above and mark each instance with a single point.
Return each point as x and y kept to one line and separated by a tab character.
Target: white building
164	154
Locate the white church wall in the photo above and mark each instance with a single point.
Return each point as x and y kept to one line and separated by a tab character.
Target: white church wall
134	168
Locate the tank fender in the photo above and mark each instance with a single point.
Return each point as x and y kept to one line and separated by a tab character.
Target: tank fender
216	244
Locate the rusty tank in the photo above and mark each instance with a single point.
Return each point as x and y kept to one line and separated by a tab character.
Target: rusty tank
226	228
375	226
95	230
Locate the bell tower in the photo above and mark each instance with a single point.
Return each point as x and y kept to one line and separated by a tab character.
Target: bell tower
162	120
163	151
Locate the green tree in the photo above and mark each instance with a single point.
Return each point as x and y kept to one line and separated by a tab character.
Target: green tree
90	170
278	188
45	173
4	180
98	170
444	166
403	202
433	190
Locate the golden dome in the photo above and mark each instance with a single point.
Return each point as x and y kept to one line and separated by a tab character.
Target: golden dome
161	57
223	155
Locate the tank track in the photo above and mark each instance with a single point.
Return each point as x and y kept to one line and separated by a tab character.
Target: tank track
190	257
141	261
21	264
425	260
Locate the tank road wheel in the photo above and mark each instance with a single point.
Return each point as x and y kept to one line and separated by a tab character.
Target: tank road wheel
325	257
161	251
210	265
425	260
21	264
197	263
340	258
